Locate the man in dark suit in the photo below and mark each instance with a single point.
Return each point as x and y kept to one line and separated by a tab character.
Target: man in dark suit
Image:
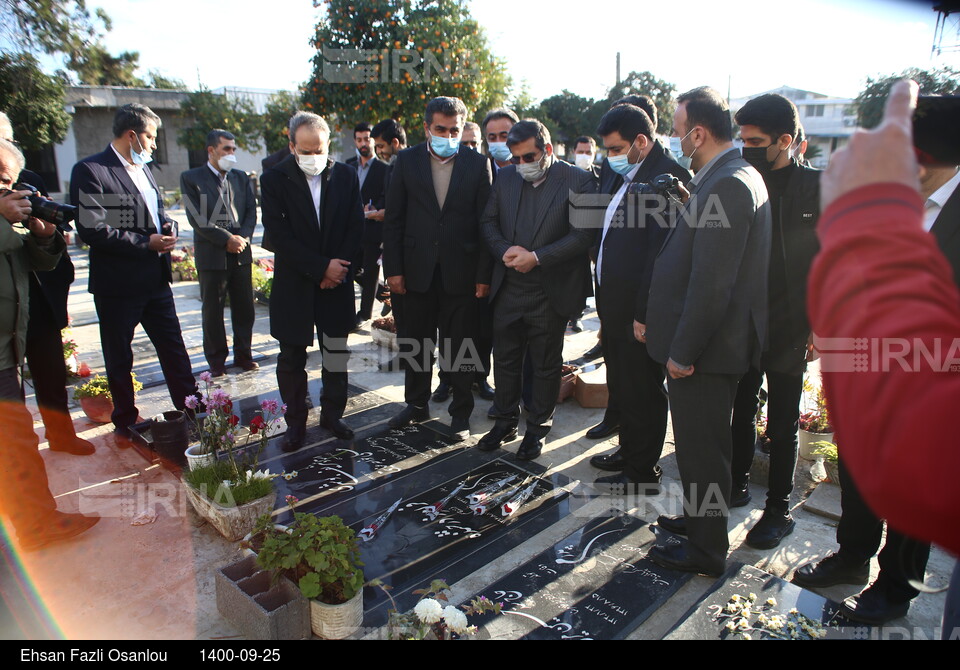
48	317
541	279
222	209
312	210
433	256
903	560
610	183
707	318
121	218
372	173
628	244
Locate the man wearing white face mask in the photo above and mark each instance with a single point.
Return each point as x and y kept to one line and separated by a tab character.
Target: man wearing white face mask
541	279
222	209
312	210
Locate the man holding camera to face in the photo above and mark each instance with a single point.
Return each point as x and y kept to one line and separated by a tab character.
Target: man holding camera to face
25	497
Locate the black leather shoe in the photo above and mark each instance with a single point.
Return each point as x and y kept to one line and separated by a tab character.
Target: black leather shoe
217	372
338	428
673	524
408	415
492	412
576	326
496	437
530	447
442	394
292	441
674	556
460	427
75	445
741	497
249	366
60	526
610	462
770	530
620	484
872	606
602	430
595	352
484	390
832	570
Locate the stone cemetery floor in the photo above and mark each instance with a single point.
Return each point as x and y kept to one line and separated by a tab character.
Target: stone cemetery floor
569	564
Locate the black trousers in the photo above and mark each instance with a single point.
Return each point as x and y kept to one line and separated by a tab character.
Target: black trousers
455	316
47	368
701	407
157	313
482	341
24	493
524	323
292	381
636	380
371	278
859	534
215	286
783	412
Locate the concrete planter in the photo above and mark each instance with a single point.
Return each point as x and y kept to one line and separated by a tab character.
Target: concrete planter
261	608
806	440
335	622
231	522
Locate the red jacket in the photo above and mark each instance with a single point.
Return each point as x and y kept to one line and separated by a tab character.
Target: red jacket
880	276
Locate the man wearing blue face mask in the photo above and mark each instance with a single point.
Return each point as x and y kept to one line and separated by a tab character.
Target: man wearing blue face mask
433	256
121	217
628	244
496	125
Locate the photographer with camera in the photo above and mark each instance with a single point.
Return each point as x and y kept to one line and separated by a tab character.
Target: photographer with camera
628	245
48	317
25	497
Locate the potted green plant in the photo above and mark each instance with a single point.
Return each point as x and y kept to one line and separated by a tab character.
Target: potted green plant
826	453
96	400
183	266
262	277
321	556
815	423
231	492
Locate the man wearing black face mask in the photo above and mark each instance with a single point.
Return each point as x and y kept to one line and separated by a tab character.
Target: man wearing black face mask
769	126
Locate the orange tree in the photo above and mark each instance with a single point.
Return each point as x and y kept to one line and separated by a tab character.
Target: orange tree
379	58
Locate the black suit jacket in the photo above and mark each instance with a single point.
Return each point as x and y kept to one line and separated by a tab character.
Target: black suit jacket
629	251
115	222
708	296
304	248
373	191
51	285
418	234
205	209
560	245
946	230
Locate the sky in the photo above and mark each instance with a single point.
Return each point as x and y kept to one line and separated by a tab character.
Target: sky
745	46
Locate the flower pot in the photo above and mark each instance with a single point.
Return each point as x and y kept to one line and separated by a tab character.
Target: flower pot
249	551
385	338
98	409
231	522
335	622
833	471
806	440
197	458
170	436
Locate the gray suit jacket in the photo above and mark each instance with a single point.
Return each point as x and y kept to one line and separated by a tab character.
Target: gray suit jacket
205	207
708	295
561	247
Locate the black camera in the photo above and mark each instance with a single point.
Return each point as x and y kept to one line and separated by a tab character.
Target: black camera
665	185
46	209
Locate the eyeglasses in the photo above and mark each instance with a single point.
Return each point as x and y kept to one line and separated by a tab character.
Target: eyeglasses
532	157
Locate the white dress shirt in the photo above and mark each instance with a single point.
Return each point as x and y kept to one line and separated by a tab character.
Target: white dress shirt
937	200
142	182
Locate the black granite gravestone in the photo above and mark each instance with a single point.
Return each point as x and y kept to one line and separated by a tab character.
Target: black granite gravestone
596	583
748	603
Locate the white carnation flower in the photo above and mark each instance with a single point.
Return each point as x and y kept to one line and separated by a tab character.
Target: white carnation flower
455	619
428	610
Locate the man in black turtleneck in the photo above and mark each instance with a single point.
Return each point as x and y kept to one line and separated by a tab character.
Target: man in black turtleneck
768	127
